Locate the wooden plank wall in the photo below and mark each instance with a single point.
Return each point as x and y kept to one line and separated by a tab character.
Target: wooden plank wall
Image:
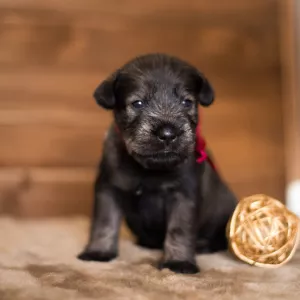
54	53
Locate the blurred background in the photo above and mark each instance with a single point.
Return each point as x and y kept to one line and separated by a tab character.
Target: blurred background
54	53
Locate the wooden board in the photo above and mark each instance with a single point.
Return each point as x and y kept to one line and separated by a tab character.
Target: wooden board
36	192
290	31
80	36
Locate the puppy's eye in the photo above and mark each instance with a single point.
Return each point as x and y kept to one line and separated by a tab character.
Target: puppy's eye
187	103
138	104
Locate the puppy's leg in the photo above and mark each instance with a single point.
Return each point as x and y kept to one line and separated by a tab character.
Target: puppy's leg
103	243
218	204
179	247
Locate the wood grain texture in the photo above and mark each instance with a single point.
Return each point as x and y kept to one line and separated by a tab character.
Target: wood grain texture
54	53
215	36
36	192
290	33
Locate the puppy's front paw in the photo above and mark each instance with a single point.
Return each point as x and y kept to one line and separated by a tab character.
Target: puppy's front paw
177	266
96	256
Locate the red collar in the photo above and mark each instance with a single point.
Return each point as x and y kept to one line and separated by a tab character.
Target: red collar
201	149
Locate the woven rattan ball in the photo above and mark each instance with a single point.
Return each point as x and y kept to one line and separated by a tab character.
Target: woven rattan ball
263	232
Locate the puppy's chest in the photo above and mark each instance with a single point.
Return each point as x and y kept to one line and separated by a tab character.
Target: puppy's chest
149	203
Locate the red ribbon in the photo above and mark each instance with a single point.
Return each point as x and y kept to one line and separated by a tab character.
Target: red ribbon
200	149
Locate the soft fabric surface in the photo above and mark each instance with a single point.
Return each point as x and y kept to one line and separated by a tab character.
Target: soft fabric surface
38	261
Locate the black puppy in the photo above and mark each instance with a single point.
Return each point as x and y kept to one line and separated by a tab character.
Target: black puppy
149	172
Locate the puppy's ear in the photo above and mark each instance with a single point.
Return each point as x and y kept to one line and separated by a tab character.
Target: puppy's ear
206	94
105	94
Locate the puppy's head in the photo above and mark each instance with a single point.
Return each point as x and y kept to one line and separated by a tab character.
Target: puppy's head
155	98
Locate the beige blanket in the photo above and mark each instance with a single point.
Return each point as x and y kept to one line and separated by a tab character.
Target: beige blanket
38	261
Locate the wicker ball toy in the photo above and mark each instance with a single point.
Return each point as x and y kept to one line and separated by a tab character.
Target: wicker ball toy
263	232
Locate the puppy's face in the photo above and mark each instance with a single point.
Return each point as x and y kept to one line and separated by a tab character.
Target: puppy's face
155	98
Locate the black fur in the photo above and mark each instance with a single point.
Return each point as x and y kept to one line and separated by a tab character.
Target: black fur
148	172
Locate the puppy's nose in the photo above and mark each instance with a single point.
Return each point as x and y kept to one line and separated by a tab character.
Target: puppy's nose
166	134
